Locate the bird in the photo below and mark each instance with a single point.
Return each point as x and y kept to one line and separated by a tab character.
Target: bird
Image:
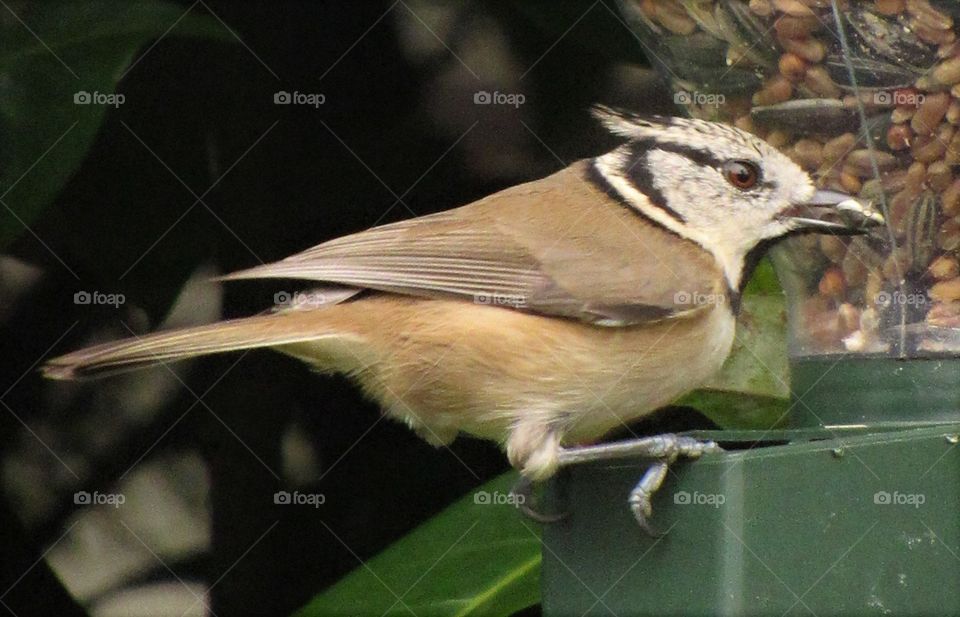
546	315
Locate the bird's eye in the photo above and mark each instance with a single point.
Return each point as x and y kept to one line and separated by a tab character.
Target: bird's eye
741	174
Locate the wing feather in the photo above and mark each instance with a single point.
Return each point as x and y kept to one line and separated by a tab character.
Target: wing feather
558	246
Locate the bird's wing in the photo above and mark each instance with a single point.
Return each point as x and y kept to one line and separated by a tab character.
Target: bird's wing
557	246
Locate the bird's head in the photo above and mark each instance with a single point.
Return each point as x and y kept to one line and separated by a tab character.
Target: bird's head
719	186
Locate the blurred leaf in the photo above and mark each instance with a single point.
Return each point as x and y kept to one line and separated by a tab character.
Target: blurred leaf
51	53
471	559
752	389
738	410
764	280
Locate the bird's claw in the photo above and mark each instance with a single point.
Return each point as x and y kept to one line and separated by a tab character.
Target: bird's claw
641	497
523	497
664	449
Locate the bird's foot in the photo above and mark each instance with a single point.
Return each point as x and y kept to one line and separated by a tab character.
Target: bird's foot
641	497
665	449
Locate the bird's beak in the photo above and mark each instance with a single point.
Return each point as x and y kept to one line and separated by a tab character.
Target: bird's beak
834	212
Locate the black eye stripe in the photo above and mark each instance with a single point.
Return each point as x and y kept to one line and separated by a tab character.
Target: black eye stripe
640	174
698	156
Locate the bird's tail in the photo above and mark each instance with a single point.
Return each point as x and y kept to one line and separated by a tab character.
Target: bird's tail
269	330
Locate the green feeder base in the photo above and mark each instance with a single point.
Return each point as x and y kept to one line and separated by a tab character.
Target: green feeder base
829	522
879	392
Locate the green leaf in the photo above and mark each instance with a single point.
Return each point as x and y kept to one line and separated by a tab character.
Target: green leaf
752	390
471	559
738	410
50	52
764	281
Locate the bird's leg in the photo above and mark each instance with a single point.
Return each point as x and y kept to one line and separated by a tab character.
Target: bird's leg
668	446
532	448
665	449
536	451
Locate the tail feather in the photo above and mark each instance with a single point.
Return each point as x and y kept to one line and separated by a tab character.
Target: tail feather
249	333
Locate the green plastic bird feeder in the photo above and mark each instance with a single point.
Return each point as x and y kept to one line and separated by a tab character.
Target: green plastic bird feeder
852	509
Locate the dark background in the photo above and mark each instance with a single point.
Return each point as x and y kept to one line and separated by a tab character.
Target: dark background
396	123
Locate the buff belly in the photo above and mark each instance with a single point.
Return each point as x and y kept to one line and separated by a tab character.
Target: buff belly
445	367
